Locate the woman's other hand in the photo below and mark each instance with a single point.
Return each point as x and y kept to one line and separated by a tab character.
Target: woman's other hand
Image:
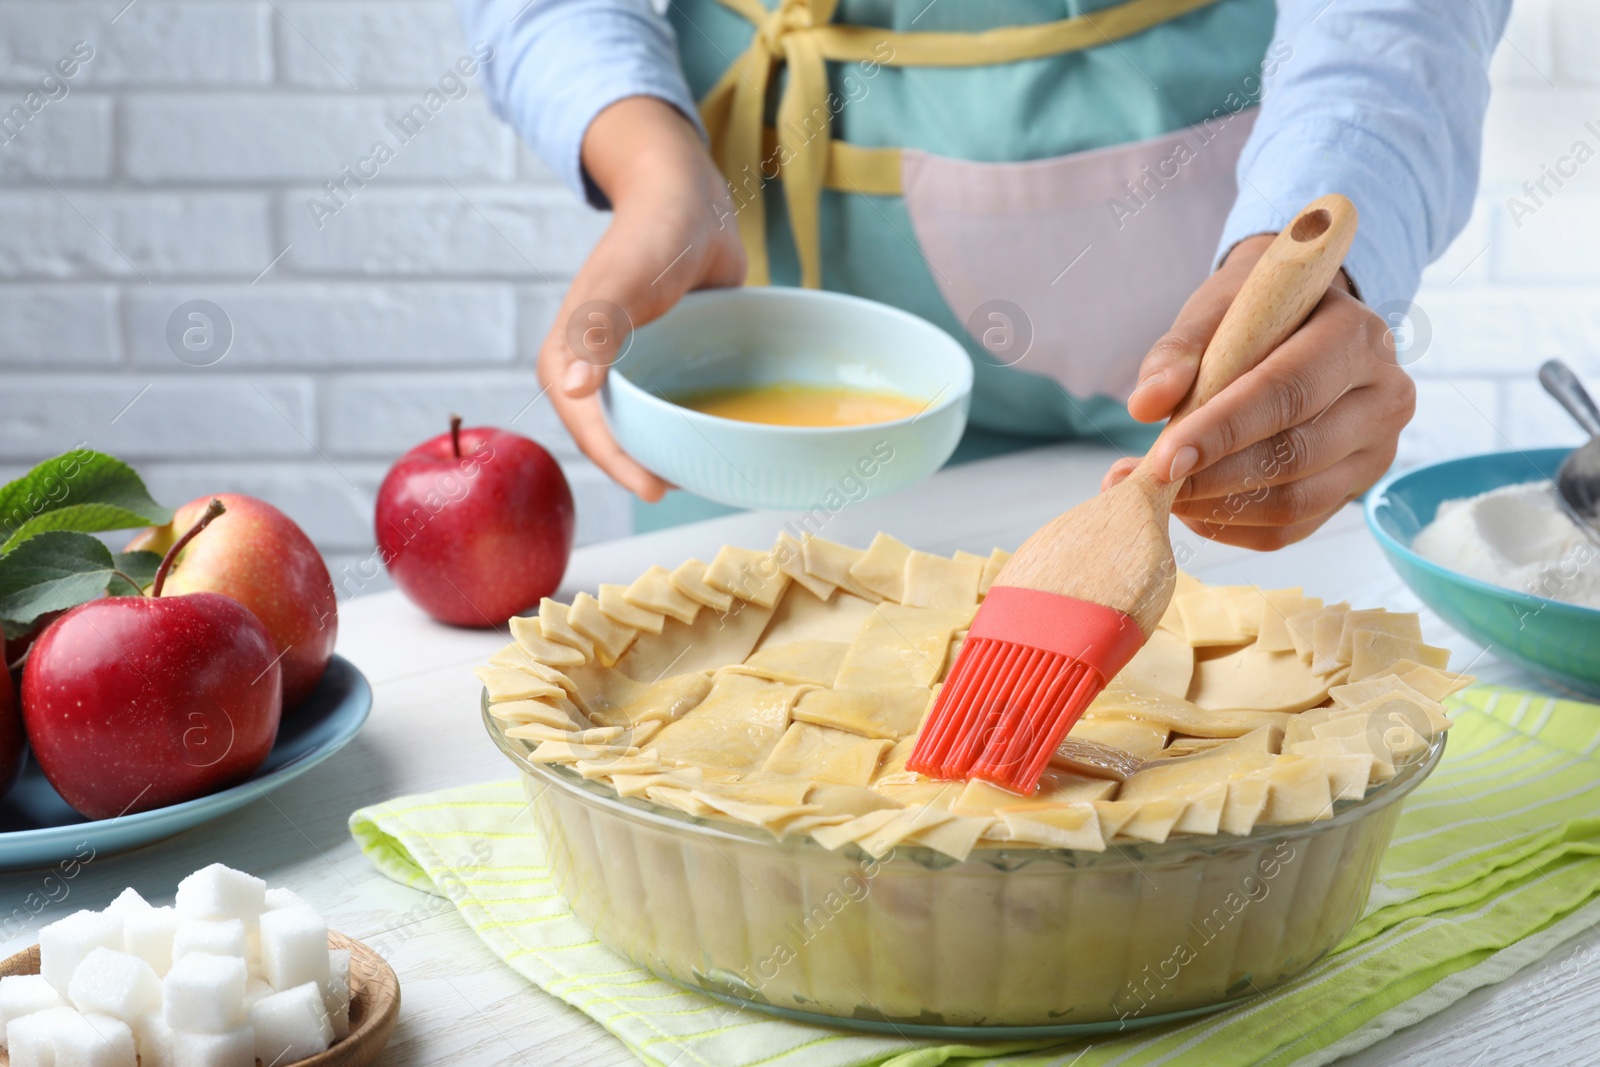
1275	454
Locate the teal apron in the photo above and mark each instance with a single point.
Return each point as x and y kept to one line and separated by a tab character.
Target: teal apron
1045	181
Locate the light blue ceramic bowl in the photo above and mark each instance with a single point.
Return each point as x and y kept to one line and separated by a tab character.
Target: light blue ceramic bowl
1560	642
730	337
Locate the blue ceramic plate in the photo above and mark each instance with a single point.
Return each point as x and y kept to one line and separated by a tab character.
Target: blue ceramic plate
38	828
1557	641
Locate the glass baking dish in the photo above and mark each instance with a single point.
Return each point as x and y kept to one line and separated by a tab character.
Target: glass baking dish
1012	942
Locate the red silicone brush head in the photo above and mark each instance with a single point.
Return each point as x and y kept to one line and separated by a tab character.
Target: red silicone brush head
1028	669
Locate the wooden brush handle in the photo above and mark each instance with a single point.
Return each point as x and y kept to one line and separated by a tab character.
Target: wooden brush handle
1287	282
1112	550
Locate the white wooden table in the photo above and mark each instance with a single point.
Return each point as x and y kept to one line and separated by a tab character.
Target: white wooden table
463	1007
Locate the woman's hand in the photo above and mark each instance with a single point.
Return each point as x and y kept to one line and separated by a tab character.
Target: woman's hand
671	231
1273	456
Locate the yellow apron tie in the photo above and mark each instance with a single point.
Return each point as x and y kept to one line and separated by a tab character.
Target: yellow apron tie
800	34
733	114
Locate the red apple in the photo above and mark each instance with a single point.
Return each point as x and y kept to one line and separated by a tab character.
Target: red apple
17	647
255	554
133	703
475	525
12	740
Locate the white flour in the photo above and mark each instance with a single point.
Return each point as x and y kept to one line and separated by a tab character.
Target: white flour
1518	537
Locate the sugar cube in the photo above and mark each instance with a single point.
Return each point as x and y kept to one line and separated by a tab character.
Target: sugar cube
233	1048
291	1025
218	892
204	993
115	984
294	947
95	1041
153	1037
128	902
31	1040
220	937
64	943
24	994
280	898
148	935
336	993
255	989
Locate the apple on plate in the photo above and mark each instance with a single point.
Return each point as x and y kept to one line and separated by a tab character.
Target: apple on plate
13	742
257	555
17	647
137	702
475	525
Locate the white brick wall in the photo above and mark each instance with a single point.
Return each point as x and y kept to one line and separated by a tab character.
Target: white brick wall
376	325
1506	297
180	164
254	137
190	43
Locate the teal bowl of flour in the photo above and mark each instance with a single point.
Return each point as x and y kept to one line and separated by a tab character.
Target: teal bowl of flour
1555	640
723	338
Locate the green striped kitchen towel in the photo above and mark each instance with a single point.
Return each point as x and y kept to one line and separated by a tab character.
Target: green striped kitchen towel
1494	862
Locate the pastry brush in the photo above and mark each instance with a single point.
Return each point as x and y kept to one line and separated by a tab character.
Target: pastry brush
1084	593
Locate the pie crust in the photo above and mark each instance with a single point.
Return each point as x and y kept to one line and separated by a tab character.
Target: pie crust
784	690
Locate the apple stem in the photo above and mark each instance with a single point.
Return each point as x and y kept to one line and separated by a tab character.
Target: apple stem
213	509
455	435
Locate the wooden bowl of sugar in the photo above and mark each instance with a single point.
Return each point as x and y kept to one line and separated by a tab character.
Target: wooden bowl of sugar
374	1004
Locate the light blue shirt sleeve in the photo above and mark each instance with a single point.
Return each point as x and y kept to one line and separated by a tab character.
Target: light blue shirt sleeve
559	63
1383	101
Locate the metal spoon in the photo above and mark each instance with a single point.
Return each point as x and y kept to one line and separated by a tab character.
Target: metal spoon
1578	479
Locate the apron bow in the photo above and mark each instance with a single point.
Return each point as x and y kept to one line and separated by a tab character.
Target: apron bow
788	17
734	113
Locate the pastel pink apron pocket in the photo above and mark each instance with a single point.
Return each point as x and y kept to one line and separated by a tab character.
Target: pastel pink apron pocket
1097	250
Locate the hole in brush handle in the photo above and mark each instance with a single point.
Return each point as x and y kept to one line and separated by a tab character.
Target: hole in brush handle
1311	225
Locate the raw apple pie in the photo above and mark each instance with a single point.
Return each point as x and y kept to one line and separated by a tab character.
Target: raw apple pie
784	689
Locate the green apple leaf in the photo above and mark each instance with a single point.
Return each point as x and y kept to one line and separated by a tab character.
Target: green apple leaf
81	490
52	571
140	566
